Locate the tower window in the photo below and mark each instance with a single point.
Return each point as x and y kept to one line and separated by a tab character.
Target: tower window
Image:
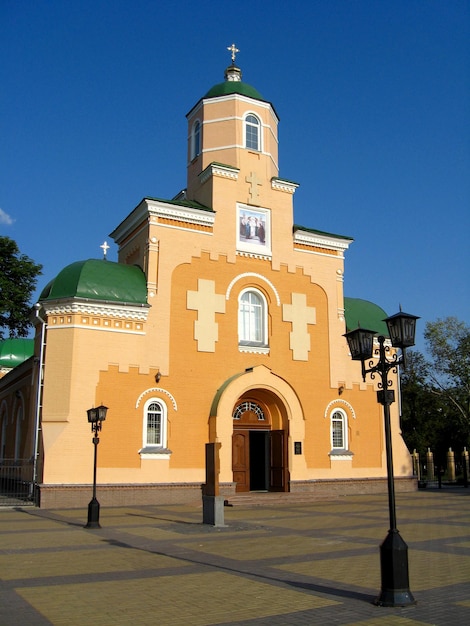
196	140
252	132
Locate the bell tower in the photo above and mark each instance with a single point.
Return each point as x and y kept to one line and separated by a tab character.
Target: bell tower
232	130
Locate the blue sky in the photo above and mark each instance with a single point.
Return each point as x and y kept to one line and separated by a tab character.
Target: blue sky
374	101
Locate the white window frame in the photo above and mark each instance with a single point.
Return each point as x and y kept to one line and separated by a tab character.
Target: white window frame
196	133
249	124
343	420
155	450
262	342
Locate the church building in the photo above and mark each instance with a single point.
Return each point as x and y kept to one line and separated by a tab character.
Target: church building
222	322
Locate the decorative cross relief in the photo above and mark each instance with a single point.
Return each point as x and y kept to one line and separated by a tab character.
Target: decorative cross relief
254	182
207	303
300	315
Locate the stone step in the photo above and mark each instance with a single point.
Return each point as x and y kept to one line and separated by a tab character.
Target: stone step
272	498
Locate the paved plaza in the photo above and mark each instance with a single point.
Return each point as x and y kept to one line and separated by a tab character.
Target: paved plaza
306	563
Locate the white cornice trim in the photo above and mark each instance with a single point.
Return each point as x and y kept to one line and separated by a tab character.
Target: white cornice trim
218	170
322	240
181	214
156	208
236	96
283	185
118	310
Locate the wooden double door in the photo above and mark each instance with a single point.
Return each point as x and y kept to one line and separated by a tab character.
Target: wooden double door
259	460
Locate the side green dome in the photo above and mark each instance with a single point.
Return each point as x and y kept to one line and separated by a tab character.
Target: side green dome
96	279
229	87
365	313
13	352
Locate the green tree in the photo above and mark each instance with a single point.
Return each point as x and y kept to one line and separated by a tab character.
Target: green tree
18	278
448	343
435	391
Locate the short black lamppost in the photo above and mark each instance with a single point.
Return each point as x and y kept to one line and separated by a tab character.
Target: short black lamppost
96	417
395	589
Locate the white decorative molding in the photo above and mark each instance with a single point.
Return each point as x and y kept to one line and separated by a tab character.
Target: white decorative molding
156	390
215	169
253	350
346	456
182	214
322	240
163	455
253	275
339	401
283	185
253	255
89	307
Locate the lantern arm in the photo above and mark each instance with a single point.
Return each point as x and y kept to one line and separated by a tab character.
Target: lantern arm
384	365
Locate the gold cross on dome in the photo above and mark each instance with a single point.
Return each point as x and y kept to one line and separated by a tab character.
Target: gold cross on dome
233	49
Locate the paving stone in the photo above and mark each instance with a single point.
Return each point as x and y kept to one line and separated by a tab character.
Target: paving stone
284	563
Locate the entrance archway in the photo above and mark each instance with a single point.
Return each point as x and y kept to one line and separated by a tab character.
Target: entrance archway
259	443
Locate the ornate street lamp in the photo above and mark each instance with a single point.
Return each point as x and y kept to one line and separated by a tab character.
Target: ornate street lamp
96	417
395	589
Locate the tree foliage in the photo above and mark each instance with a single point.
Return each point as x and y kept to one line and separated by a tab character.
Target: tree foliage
436	390
18	278
448	343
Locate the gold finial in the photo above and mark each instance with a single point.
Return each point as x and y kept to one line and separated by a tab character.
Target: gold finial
233	49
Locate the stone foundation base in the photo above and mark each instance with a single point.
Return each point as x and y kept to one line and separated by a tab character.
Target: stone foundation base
352	486
78	496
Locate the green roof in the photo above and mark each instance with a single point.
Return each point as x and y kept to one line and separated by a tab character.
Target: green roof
13	352
229	87
364	314
96	279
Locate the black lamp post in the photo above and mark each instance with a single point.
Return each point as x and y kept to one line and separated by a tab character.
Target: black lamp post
395	589
95	417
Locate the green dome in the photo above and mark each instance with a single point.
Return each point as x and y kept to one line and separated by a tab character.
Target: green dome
98	280
366	314
229	87
13	352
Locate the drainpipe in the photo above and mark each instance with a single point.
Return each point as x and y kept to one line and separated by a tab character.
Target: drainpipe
37	426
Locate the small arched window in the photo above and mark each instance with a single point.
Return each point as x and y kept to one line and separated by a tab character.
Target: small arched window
3	434
155	424
339	430
196	140
18	431
252	319
252	132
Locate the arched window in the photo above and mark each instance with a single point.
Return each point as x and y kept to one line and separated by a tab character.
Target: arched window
339	430
252	132
251	407
252	319
155	426
3	436
19	424
196	140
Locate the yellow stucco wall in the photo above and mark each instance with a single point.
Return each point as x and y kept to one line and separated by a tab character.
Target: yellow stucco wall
195	274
